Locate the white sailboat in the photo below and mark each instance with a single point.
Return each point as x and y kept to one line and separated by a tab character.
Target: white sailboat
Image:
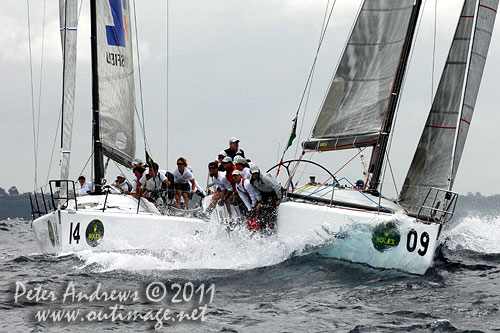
357	222
101	221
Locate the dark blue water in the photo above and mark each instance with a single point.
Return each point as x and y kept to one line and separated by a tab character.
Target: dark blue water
298	292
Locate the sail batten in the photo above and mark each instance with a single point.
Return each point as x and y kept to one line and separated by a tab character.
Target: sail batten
356	103
440	148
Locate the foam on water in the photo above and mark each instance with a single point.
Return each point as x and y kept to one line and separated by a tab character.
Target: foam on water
211	249
474	233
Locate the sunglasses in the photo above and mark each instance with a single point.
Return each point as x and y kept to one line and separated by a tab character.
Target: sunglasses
180	164
212	167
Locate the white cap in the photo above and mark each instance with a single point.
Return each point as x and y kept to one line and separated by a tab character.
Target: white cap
227	159
254	169
236	173
239	160
233	139
121	175
137	161
222	153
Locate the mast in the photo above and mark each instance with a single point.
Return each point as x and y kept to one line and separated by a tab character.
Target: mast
97	146
379	150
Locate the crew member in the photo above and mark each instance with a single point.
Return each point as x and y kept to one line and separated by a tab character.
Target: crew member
122	184
184	182
224	188
85	187
245	192
234	149
241	164
155	181
269	194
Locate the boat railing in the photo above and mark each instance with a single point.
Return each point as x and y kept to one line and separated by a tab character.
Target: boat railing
55	193
40	205
43	202
438	205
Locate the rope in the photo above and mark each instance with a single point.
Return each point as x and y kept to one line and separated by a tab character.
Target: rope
354	187
54	145
139	73
41	79
167	78
392	174
35	144
434	51
324	27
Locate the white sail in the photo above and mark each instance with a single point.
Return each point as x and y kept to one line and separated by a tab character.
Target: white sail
116	80
357	101
440	148
68	19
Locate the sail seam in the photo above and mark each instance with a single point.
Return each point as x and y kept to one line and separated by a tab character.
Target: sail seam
488	8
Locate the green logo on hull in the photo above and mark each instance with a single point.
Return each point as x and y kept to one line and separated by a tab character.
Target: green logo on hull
385	236
94	233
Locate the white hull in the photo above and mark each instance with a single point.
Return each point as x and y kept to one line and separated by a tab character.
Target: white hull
348	234
115	229
333	232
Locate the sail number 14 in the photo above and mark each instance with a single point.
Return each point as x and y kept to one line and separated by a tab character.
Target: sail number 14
74	234
412	240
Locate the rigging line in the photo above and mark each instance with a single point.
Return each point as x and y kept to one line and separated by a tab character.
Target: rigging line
307	88
32	98
90	157
139	70
434	51
403	83
41	79
79	12
339	60
167	78
392	174
54	145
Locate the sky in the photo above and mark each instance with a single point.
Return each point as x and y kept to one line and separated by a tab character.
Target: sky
214	69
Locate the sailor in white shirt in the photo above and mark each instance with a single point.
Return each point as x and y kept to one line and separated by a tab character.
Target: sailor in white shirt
241	164
224	188
245	190
184	182
85	187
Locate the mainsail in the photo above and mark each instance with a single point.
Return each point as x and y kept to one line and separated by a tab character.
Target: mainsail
115	80
438	153
68	20
357	101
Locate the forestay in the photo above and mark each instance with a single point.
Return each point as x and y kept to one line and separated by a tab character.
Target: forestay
356	103
438	153
68	20
116	80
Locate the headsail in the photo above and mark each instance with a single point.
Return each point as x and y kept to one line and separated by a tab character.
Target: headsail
438	153
355	106
68	20
116	80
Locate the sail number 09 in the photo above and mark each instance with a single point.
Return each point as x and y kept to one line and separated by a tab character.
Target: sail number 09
411	242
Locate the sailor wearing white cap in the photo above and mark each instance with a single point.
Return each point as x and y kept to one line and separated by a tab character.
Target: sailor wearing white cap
121	184
241	164
233	149
245	190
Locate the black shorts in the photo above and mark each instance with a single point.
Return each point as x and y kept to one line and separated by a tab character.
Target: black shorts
184	187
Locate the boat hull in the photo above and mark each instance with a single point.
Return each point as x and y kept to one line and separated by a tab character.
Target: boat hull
386	241
66	231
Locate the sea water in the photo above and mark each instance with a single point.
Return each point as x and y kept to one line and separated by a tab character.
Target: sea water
239	283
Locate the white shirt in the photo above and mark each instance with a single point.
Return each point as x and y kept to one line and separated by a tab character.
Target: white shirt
246	193
222	182
185	178
152	183
83	190
245	173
